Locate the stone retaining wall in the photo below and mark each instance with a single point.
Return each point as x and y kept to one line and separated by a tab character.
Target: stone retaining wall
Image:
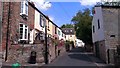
22	53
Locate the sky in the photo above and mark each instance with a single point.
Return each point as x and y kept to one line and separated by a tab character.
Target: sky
62	11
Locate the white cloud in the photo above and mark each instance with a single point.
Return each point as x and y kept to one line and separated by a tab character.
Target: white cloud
42	4
89	2
46	5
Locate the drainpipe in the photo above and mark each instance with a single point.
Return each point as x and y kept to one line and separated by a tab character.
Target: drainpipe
1	24
7	35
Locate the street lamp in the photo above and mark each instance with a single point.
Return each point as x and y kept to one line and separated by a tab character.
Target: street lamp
46	47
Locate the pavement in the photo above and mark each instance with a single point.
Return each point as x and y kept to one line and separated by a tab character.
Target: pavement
76	58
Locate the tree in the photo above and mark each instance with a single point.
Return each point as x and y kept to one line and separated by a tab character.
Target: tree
83	22
67	26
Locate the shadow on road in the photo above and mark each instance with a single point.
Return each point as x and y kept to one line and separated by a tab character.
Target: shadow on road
76	58
80	54
79	49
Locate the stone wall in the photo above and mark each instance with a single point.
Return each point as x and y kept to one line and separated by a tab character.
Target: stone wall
102	50
111	20
22	53
111	31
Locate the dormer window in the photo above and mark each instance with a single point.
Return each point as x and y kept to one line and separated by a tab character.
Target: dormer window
24	8
65	30
71	31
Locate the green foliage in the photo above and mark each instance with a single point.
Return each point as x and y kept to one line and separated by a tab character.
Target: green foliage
83	22
67	26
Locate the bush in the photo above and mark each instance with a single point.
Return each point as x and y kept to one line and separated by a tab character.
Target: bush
72	43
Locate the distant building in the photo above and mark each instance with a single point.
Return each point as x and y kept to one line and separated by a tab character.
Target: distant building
70	34
105	31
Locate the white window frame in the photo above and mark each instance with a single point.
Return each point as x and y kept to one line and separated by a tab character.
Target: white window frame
42	21
59	33
24	8
71	30
23	35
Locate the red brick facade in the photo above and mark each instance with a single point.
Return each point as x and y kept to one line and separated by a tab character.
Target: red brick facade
14	20
16	51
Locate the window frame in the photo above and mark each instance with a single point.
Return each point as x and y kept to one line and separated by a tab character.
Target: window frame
98	24
55	30
71	30
24	8
42	21
59	33
93	29
25	27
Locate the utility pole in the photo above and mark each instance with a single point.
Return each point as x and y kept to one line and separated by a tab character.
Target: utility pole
46	47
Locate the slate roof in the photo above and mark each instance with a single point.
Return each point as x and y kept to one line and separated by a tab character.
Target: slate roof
68	31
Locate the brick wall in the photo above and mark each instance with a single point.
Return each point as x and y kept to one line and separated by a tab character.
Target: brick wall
31	15
21	52
14	20
4	24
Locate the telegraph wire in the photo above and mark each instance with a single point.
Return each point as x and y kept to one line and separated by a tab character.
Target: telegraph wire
67	14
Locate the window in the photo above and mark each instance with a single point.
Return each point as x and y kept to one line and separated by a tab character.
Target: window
42	21
93	29
37	36
62	35
58	32
55	30
71	31
48	24
24	8
23	30
65	31
112	35
98	24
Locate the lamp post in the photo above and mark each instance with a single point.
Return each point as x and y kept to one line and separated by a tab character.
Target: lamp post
46	47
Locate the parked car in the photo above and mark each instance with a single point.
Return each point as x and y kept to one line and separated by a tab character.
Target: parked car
79	43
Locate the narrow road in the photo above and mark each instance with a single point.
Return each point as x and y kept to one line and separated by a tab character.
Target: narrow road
78	58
